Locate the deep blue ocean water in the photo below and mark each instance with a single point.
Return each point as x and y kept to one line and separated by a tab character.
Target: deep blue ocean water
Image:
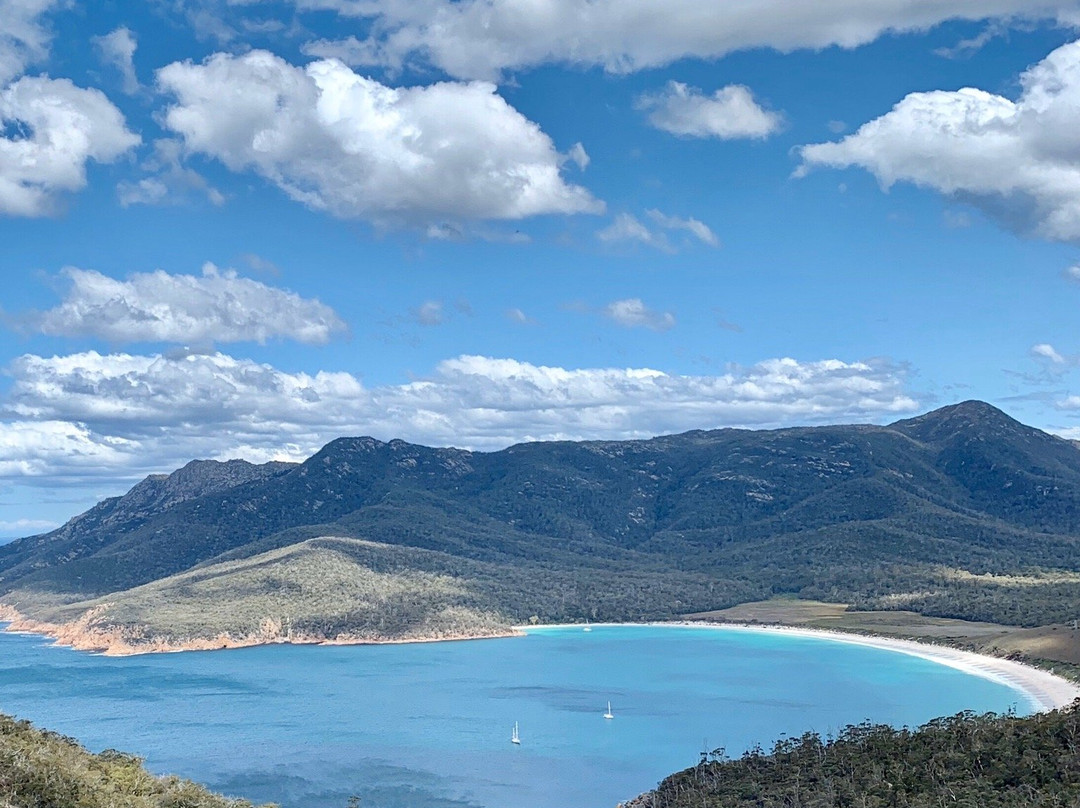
428	725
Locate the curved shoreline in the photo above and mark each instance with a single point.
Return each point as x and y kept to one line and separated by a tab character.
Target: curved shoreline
1044	690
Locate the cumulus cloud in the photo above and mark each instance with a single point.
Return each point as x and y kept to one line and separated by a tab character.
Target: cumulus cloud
1069	403
628	228
118	49
633	313
91	414
729	113
218	306
346	144
484	38
36	448
55	128
1019	161
1072	273
24	39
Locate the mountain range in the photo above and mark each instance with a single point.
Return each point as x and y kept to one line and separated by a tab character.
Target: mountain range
961	512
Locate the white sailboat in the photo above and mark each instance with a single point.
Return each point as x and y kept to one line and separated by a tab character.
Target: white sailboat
514	735
587	626
609	714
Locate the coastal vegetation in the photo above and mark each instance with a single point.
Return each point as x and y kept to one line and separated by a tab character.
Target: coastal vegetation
1055	646
962	513
967	760
41	769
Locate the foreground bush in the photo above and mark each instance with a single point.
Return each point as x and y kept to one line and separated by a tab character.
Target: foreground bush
966	761
40	769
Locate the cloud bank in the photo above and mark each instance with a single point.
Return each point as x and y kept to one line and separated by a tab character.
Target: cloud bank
217	307
485	38
118	416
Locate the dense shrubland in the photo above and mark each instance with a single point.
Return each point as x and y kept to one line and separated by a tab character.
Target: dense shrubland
40	769
966	761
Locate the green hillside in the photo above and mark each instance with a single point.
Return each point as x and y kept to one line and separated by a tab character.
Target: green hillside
916	515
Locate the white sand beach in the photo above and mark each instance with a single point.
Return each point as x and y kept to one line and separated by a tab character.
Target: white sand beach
1044	690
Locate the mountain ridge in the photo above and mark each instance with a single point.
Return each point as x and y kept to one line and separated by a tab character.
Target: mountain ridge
640	529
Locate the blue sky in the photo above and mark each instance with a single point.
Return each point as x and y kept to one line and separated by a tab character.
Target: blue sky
232	228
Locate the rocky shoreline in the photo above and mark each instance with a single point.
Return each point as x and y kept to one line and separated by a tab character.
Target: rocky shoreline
82	635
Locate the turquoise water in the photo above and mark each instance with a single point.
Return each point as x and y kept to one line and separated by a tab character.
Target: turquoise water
428	725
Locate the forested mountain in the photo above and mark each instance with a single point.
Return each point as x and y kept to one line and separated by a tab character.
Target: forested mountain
937	513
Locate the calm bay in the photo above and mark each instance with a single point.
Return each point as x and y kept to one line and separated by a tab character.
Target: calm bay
428	725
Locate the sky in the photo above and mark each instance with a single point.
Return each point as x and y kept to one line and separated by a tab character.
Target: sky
243	228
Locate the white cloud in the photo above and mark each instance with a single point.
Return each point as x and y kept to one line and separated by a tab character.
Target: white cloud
118	49
729	113
966	47
1018	161
628	228
169	181
519	317
693	226
91	416
430	312
1047	351
633	313
346	144
578	156
1073	273
217	307
24	39
484	38
23	527
37	448
58	128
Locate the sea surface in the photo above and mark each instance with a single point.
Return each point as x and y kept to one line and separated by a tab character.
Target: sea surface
428	725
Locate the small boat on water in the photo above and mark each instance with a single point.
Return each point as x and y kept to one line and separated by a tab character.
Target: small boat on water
587	626
514	735
609	714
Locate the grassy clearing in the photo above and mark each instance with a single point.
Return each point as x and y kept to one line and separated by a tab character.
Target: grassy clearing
306	592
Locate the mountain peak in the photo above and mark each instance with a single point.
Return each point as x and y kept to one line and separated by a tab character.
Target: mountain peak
953	419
